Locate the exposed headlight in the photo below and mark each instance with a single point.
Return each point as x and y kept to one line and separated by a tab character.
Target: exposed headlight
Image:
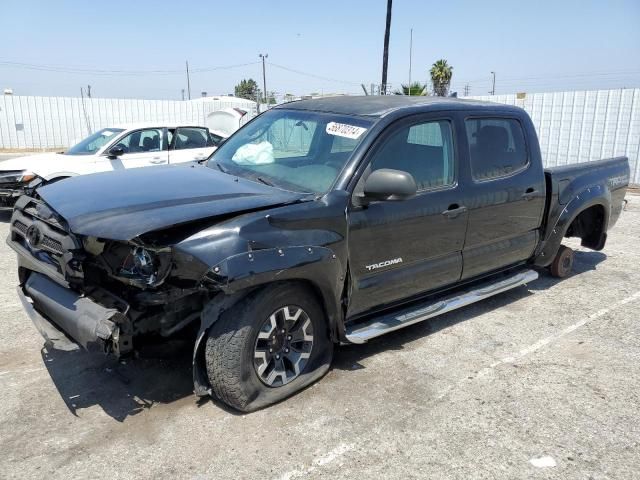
140	265
134	264
17	176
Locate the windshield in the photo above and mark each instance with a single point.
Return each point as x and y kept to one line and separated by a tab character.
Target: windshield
94	142
292	149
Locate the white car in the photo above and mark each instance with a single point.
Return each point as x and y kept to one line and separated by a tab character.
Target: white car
115	148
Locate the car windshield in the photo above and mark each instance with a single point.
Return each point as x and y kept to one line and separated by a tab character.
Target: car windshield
296	150
94	142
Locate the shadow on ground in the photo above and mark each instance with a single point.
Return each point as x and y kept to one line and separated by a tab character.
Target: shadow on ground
163	374
349	357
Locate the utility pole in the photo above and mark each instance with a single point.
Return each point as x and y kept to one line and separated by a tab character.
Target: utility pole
264	76
183	94
385	52
466	90
493	88
188	81
410	53
88	91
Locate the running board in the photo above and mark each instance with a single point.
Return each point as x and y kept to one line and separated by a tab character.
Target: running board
377	326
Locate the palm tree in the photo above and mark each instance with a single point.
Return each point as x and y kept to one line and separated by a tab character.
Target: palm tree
415	89
441	73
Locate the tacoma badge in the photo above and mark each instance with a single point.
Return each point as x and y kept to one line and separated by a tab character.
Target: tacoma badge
386	263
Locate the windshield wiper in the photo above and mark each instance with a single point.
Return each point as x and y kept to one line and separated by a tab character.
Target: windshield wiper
220	167
263	180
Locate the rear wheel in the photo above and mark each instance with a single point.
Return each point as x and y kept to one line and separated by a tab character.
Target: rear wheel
267	347
562	263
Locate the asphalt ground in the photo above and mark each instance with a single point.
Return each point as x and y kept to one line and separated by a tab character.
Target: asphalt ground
539	382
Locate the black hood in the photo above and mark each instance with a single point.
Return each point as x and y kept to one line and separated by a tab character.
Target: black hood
124	204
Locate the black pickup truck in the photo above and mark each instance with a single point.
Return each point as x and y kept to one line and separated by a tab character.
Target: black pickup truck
320	222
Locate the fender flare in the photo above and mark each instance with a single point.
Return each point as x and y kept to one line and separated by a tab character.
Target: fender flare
595	195
239	274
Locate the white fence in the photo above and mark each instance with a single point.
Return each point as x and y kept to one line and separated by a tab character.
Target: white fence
582	126
58	122
572	126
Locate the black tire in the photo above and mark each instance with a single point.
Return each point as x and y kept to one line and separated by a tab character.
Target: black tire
562	263
232	347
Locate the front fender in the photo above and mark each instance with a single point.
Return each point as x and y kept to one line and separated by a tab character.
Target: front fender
586	198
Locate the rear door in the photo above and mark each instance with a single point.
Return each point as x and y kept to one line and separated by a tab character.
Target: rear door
142	148
399	249
189	144
505	194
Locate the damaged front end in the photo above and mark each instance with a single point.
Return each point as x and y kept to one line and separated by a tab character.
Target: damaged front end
101	293
13	184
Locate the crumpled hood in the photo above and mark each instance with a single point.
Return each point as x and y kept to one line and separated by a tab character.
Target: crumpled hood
33	163
124	204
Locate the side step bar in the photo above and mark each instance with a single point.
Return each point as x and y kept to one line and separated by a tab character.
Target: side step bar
377	326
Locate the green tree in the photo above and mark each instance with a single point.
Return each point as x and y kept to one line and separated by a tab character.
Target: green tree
416	89
441	73
247	89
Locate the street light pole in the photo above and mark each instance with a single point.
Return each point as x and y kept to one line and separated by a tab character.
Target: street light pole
264	76
410	54
493	88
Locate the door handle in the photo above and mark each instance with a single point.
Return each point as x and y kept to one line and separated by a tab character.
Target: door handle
454	210
156	160
530	194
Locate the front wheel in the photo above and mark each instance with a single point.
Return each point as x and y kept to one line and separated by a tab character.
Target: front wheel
268	346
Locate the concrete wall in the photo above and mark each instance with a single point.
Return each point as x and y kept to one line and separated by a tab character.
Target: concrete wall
59	122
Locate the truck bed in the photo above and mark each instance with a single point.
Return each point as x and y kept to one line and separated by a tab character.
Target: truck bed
583	200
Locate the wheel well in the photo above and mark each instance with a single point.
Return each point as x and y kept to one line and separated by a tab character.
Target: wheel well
307	284
589	226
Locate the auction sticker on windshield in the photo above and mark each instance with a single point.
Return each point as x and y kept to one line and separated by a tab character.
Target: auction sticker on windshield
344	130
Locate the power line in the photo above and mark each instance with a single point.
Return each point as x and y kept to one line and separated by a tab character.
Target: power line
115	71
312	75
510	80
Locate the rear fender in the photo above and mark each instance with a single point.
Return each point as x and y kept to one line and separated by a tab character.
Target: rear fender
596	195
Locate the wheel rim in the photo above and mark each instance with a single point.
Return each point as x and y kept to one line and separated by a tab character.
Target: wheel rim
283	346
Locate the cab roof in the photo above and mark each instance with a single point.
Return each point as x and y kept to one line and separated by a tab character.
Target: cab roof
161	124
381	105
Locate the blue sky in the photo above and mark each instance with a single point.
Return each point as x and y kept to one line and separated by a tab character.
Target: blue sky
532	46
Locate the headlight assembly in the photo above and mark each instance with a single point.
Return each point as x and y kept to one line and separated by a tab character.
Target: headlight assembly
135	264
17	176
141	265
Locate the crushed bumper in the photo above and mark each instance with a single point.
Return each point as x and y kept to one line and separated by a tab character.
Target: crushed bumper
8	198
64	317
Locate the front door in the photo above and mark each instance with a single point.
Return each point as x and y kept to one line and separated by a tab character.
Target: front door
399	249
142	148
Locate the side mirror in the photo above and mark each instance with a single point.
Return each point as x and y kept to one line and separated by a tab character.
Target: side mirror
389	184
115	152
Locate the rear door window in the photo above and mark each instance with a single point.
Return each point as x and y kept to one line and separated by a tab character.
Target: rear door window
497	147
190	137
